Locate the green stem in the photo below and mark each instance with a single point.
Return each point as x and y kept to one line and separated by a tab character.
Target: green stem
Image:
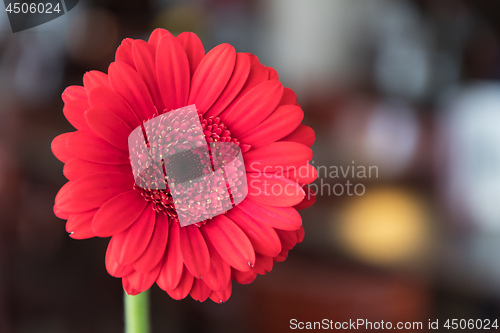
137	313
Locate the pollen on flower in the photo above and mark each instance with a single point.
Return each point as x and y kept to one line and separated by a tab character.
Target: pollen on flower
183	166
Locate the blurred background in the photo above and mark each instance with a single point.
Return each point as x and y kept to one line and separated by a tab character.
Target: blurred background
408	87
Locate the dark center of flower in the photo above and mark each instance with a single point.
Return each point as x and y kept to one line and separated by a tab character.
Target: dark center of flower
188	167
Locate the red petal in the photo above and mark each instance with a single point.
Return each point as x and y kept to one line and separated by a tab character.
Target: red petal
108	99
194	49
89	147
253	107
184	287
253	59
283	121
131	243
76	168
124	52
94	79
79	225
90	192
108	126
263	264
243	277
118	214
231	243
305	174
274	191
60	149
156	248
289	97
61	214
113	267
285	218
300	235
74	112
172	70
156	36
62	194
144	58
233	87
273	74
200	291
129	85
277	157
74	93
222	296
194	251
220	272
128	288
263	237
288	239
172	267
309	199
212	76
137	282
282	256
258	74
303	134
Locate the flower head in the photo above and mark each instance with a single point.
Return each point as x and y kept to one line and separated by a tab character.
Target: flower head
241	107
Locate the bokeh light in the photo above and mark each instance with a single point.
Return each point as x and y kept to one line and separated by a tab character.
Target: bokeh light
387	226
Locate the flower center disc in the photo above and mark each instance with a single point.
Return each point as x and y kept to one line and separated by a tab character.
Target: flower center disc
186	171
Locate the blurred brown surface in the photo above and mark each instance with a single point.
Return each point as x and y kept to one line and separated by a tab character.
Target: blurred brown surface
313	291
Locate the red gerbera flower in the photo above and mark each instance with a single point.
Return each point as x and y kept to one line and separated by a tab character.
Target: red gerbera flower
239	101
